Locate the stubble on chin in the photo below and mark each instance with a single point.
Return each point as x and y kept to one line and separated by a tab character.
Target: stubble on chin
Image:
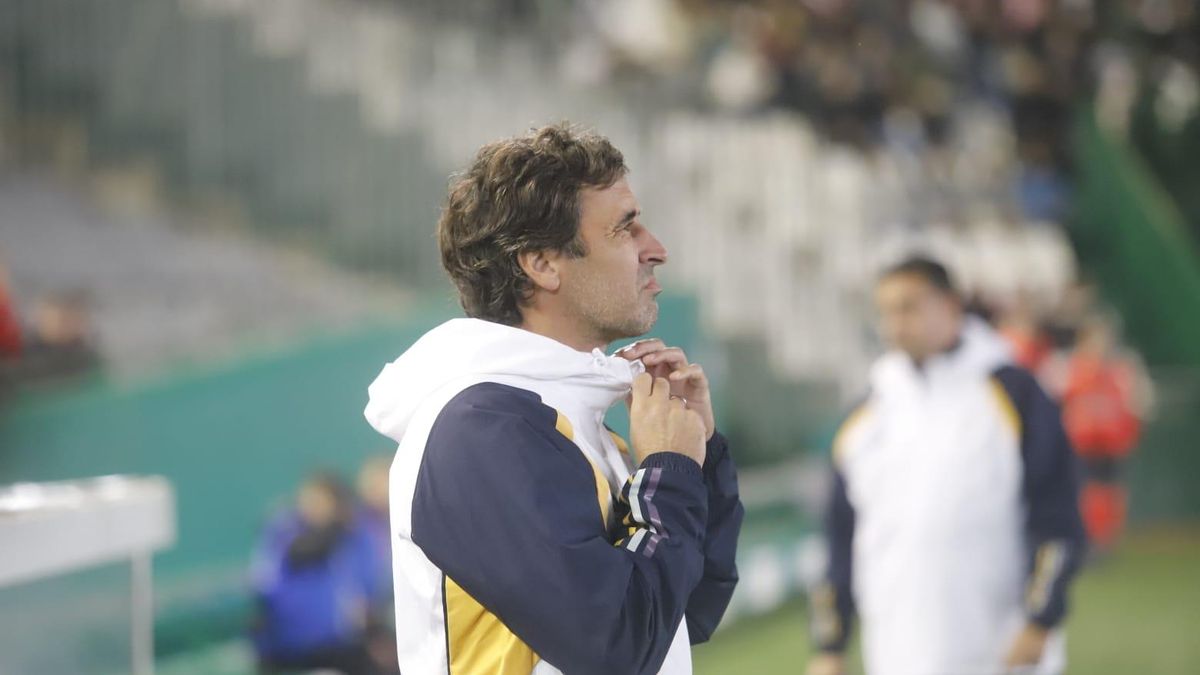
639	322
612	324
614	312
647	318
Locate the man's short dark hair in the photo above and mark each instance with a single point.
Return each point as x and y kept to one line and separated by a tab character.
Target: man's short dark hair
520	194
932	271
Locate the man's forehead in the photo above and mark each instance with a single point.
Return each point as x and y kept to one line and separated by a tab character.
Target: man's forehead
613	201
904	286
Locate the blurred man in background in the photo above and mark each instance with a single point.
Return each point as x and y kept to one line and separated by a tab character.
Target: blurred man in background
529	538
953	524
315	582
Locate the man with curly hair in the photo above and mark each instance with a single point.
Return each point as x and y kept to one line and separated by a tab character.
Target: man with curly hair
528	537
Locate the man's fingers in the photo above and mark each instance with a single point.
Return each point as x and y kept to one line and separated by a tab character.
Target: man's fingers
662	389
642	386
646	387
670	356
664	352
693	371
640	348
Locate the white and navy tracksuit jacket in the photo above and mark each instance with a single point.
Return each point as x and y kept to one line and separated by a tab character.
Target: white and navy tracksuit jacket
526	539
953	518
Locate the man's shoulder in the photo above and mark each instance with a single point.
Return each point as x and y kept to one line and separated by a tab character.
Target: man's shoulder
1021	385
1011	373
502	431
497	401
497	397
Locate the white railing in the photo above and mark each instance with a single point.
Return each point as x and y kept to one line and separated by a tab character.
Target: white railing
51	529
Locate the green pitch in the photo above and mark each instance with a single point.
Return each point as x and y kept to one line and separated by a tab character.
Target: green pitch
1137	612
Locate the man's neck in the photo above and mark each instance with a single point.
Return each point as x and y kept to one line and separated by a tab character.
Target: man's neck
561	331
949	346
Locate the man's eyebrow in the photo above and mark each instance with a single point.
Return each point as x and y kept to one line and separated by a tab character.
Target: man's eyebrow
629	216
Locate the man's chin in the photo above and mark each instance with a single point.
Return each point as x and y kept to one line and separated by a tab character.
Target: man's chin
635	327
646	321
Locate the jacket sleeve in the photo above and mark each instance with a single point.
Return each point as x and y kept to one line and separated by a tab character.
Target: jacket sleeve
711	596
506	506
832	602
1054	530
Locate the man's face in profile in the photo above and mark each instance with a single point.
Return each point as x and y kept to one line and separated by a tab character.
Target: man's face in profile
612	287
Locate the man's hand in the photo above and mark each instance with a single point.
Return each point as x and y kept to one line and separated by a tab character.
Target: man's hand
1026	649
660	423
688	380
826	663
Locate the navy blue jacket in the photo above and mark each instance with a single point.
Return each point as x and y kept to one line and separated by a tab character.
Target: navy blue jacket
505	505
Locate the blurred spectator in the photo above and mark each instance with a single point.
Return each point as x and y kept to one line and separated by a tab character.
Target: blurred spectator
1020	326
10	326
59	345
1104	398
1042	187
373	514
315	580
1072	309
373	520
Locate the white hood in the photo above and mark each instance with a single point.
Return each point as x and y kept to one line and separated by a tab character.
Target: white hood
472	349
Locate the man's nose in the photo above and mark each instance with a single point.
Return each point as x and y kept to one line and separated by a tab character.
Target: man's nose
653	251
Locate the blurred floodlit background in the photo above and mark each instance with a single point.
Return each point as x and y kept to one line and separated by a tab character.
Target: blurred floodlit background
216	224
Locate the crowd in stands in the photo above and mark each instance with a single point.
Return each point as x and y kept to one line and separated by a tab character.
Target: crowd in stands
1149	92
906	75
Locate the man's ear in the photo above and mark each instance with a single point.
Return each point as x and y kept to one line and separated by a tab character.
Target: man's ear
542	268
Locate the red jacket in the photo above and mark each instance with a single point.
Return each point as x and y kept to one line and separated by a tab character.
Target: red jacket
1097	407
10	328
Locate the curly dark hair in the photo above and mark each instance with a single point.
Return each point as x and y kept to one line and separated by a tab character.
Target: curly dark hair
520	194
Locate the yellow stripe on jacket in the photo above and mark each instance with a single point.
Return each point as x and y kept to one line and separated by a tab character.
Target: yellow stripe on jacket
1008	411
478	642
603	490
